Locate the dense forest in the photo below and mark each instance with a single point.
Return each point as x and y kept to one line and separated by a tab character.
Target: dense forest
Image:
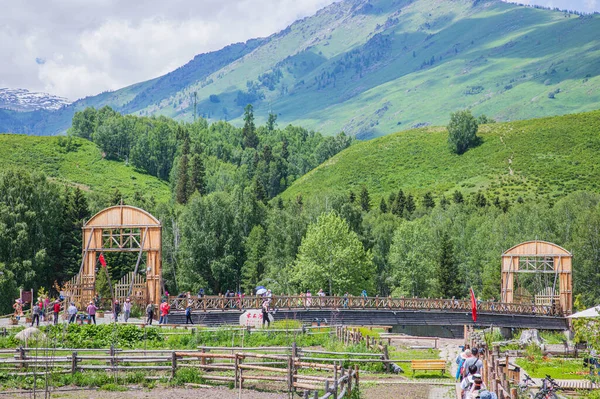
226	228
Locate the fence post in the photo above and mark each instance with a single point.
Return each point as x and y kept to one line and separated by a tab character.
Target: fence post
21	355
290	374
350	382
112	356
335	379
173	364
74	362
237	371
386	358
316	395
240	361
356	374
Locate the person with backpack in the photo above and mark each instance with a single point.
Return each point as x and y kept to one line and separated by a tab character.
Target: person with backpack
188	314
467	381
149	313
35	315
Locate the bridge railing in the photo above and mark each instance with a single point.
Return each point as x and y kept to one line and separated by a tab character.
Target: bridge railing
211	303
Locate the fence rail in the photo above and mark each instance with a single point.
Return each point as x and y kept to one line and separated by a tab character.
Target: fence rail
240	367
212	303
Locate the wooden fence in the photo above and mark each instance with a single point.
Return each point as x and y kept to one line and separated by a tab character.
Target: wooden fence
238	367
211	303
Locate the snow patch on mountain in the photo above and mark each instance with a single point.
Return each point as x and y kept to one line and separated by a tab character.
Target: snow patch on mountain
25	100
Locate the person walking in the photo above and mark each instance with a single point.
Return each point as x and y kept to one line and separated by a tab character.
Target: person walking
346	299
188	314
56	311
126	309
35	315
149	313
117	310
321	295
72	310
308	299
164	313
265	314
91	311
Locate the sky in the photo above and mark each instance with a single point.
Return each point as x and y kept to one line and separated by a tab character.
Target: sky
77	48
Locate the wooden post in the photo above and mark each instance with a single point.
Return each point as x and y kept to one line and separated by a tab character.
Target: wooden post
73	362
513	393
316	395
326	386
203	359
386	358
240	361
335	379
305	396
112	356
173	364
356	374
237	371
290	373
350	382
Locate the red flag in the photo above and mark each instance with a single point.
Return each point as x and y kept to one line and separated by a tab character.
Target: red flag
102	260
473	306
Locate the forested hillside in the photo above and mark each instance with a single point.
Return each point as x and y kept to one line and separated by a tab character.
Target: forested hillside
373	67
225	227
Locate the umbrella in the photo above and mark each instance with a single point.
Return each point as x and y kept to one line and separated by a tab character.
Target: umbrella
259	287
261	291
591	312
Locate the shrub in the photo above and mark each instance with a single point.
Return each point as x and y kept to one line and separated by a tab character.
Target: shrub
462	131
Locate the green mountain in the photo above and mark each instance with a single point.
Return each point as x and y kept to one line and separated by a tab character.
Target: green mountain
372	67
79	163
538	158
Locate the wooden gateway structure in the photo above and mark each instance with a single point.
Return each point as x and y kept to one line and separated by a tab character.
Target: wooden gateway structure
120	228
538	273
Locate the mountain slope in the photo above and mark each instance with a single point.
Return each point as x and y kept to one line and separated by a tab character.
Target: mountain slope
372	67
547	157
25	100
83	166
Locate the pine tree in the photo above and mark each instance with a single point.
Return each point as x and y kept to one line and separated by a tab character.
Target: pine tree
410	205
457	197
284	149
444	202
391	200
351	196
249	129
448	269
480	200
399	204
365	200
198	176
428	201
279	203
383	206
182	186
102	286
259	191
271	122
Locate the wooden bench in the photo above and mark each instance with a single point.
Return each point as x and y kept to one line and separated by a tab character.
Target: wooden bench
428	365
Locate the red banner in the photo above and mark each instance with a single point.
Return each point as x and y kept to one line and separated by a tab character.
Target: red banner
102	260
473	306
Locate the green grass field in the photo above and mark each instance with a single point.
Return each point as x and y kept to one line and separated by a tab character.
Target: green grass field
83	167
539	158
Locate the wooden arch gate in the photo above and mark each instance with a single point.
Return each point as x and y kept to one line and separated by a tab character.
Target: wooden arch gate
544	258
121	228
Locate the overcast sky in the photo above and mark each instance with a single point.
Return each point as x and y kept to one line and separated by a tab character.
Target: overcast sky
76	48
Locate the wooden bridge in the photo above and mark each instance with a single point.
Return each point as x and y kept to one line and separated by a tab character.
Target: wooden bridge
451	314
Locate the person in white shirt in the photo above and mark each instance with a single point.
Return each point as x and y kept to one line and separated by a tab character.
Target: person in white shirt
72	310
126	309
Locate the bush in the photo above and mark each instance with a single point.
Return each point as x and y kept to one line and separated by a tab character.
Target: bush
187	376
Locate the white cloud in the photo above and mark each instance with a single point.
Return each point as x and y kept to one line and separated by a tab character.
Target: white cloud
77	48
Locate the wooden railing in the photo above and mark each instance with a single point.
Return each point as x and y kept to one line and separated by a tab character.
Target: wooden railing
236	367
211	303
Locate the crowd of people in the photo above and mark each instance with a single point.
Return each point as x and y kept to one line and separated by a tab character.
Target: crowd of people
468	374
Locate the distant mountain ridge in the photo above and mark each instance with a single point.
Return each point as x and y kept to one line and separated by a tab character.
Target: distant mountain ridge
372	67
25	100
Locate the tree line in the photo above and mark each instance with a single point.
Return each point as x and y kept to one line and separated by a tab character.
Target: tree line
233	232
